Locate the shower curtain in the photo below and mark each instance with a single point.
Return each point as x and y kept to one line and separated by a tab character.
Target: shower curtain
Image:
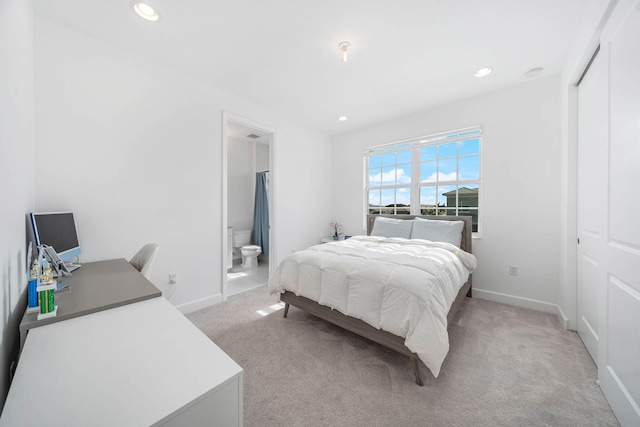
260	235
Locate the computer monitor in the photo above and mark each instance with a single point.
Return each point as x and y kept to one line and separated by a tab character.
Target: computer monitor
56	229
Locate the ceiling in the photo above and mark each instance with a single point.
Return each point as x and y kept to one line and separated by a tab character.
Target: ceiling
246	133
405	55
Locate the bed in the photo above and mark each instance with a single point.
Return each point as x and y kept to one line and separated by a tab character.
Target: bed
393	286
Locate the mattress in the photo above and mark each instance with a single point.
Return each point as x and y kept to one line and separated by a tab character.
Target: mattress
403	286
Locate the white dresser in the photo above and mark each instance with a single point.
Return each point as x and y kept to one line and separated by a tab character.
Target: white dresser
142	364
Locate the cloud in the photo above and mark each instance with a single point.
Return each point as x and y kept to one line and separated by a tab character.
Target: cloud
390	177
430	200
441	177
390	197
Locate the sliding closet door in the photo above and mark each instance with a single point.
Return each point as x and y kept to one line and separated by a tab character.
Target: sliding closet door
619	364
592	181
608	252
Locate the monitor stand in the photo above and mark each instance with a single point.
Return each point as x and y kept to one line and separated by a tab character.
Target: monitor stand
72	267
61	287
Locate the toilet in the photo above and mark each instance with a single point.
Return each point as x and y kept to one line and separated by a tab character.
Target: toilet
242	241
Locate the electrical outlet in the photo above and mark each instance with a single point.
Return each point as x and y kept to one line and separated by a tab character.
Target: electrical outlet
513	270
173	278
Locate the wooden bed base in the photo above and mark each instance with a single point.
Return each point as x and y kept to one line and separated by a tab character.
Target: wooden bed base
365	330
359	327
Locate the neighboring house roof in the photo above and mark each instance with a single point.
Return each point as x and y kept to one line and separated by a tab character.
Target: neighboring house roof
462	191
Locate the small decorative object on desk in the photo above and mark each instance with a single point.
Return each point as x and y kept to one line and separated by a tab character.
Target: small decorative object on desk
32	294
336	229
45	291
47	275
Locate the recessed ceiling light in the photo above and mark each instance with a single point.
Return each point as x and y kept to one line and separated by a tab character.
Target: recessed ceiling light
145	11
343	46
343	118
484	71
534	72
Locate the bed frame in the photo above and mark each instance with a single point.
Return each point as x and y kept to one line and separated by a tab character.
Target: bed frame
359	327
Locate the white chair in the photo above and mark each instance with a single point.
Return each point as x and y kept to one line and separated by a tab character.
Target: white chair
143	260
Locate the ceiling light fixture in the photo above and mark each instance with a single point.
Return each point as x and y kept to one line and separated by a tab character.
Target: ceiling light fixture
484	71
343	47
343	118
145	11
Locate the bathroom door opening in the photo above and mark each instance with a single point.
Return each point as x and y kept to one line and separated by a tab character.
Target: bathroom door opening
248	213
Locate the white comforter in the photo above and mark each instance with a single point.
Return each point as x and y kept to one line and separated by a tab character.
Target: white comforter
399	285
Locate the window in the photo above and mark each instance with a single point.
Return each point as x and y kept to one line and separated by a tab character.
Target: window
435	175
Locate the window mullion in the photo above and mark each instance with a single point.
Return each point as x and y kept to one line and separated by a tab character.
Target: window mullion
415	181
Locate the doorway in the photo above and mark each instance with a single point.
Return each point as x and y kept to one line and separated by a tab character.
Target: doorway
248	197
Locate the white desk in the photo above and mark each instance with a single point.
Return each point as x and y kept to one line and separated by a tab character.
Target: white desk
142	364
94	287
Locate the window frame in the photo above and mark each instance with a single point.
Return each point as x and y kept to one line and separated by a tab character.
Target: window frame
415	145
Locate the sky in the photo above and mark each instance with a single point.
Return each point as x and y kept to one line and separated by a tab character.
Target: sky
442	167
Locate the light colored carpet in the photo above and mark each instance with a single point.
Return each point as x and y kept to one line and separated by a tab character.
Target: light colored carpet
507	366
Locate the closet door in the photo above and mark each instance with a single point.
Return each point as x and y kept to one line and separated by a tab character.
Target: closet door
592	181
619	364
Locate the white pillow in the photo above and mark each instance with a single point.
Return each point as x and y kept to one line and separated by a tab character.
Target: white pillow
438	231
391	227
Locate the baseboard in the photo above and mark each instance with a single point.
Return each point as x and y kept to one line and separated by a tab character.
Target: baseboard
199	304
532	304
564	320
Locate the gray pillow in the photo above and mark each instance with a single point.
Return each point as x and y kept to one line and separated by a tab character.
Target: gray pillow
391	227
437	231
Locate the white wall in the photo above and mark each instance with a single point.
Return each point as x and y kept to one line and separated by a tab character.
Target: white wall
134	149
262	157
241	182
520	189
245	159
16	170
